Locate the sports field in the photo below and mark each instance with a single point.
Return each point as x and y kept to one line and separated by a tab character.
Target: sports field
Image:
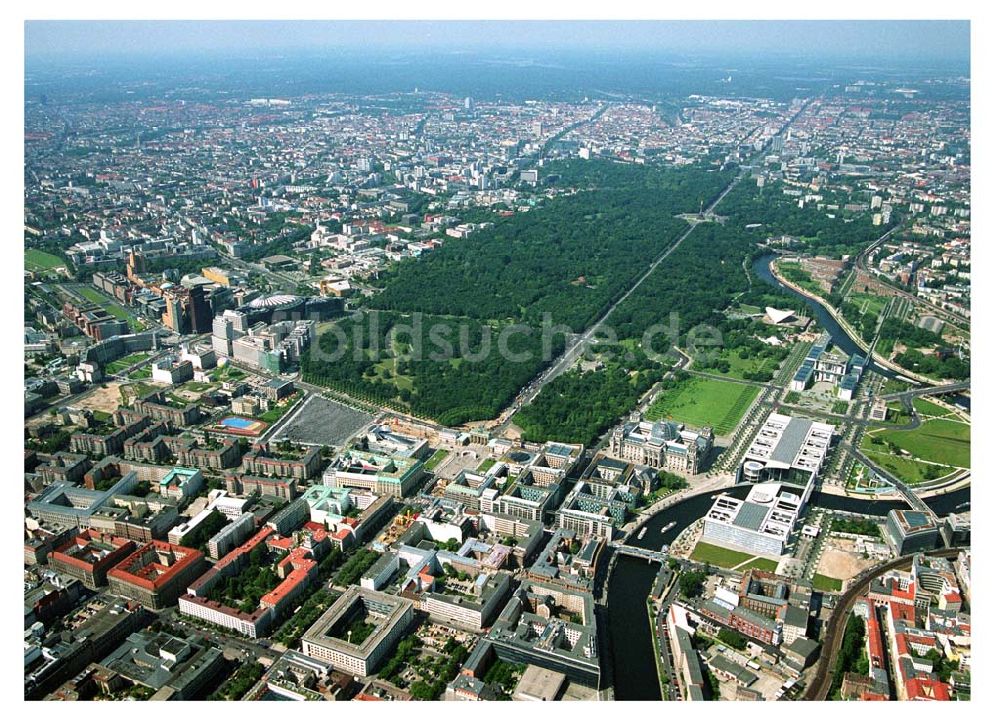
38	260
697	401
718	556
242	426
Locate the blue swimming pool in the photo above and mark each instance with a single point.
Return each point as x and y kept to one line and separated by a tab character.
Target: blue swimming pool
237	422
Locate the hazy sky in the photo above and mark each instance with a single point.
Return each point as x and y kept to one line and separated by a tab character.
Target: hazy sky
940	40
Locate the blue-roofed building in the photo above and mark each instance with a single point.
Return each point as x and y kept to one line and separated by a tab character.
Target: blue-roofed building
848	385
803	376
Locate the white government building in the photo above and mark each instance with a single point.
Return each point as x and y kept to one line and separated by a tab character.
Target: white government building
761	524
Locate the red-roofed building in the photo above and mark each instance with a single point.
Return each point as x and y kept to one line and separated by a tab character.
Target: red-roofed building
914	680
904	612
876	651
952	601
280	544
342	539
927	689
89	555
156	573
296	569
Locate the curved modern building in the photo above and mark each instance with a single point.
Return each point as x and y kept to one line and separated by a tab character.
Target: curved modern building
272	308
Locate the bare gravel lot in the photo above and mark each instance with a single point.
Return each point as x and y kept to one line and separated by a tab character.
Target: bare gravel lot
839	561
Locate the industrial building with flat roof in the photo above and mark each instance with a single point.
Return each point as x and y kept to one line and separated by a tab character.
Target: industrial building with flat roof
176	668
71	506
384	474
537	684
595	508
560	565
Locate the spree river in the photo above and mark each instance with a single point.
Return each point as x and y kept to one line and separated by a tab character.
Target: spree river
631	644
762	269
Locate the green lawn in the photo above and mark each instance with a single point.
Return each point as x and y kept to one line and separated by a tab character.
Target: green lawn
718	556
228	373
759	563
737	365
141	373
196	386
935	440
827	584
431	464
137	389
112	307
871	303
116	311
926	408
485	465
38	260
125	362
697	402
908	470
92	295
273	415
794	272
402	381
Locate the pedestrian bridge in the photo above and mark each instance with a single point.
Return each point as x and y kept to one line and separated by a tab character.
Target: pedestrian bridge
643	553
927	391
